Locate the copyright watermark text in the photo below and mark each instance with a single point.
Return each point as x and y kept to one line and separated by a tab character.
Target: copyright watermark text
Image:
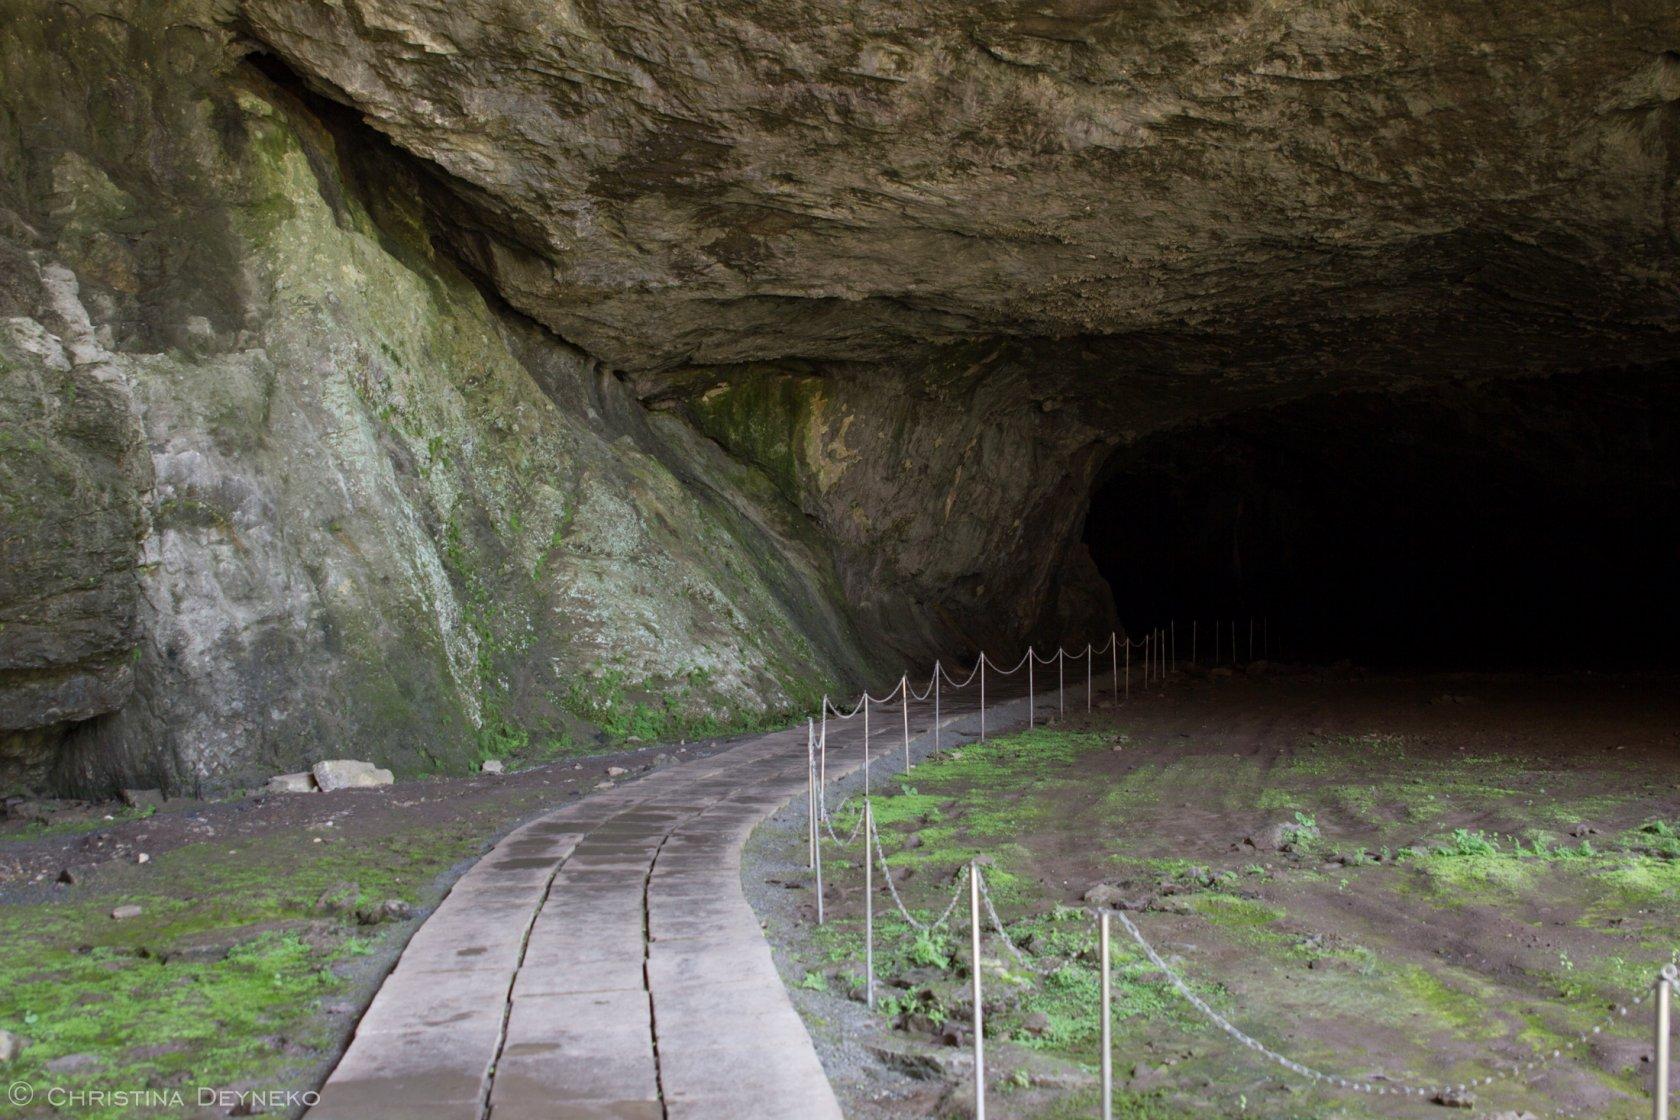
22	1093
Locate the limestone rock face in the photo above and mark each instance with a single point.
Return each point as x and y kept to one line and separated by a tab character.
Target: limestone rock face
72	474
276	473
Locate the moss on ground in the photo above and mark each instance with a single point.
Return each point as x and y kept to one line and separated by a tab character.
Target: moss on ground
1034	803
143	1003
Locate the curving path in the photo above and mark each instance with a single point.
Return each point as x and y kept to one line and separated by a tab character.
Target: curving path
602	960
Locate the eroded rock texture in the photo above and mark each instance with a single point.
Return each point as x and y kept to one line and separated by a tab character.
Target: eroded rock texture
396	379
281	484
977	244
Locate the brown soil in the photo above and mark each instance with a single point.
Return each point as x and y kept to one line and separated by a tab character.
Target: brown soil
1428	968
40	839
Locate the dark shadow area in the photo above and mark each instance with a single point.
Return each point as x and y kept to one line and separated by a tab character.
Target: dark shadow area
1512	523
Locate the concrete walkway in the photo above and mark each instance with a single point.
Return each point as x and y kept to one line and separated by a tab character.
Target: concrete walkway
602	961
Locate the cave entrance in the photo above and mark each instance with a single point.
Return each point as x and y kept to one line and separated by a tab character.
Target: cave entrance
1512	523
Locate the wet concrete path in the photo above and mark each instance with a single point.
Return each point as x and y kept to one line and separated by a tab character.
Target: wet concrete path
602	960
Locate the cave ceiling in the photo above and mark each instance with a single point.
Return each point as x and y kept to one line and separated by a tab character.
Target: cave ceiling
1180	201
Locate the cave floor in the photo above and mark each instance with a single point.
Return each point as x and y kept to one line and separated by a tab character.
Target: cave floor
249	963
1474	869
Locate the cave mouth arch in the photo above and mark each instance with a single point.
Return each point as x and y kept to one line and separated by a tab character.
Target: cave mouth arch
1527	522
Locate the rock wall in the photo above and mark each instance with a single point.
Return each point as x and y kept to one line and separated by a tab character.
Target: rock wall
417	380
953	495
281	483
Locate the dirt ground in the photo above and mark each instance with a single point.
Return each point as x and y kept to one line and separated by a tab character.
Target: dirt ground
1420	879
265	925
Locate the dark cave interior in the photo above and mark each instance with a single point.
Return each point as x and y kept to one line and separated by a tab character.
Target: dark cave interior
1524	523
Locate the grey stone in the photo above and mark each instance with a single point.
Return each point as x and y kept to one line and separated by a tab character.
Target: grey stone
492	766
391	910
345	773
303	782
126	911
11	1046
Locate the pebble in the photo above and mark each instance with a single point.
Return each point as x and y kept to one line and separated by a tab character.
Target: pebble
124	912
616	771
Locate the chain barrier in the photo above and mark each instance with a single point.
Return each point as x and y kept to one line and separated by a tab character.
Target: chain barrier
952	681
898	902
1014	950
828	824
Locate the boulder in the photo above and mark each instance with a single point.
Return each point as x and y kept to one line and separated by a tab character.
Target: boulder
492	766
126	911
11	1046
291	783
347	773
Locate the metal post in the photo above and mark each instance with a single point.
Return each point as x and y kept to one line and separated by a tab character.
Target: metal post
979	1013
1128	667
868	903
1659	1094
1061	682
811	794
1089	658
905	684
817	852
1107	1028
1114	661
982	696
866	744
1032	700
1172	652
936	707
